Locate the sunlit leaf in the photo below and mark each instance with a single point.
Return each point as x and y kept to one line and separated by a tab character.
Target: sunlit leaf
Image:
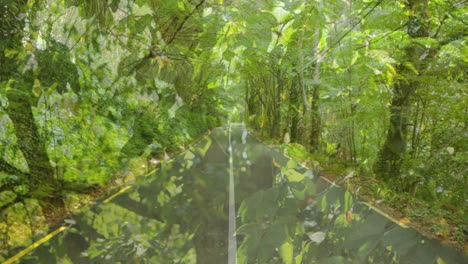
36	89
286	252
318	237
405	220
450	150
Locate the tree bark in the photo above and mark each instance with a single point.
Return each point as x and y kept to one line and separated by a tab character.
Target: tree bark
294	103
42	182
316	122
41	172
392	155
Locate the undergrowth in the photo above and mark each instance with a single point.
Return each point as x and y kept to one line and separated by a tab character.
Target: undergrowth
429	216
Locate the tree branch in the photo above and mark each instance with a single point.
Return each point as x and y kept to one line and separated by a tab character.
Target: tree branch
179	28
440	26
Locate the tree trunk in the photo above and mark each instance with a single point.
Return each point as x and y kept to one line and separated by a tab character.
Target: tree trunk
42	182
294	103
392	154
276	105
41	173
316	120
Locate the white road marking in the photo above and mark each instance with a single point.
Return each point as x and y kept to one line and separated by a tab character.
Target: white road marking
232	241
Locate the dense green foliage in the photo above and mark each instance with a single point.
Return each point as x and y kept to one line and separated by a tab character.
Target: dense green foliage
379	84
88	88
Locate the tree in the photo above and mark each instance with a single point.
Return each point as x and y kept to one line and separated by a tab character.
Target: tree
392	154
26	70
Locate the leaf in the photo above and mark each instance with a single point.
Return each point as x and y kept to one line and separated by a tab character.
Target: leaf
36	89
405	220
181	5
10	53
298	258
52	88
29	46
323	204
450	150
355	58
177	104
428	43
249	248
292	164
323	40
272	239
317	237
286	252
260	206
141	10
293	176
411	67
276	164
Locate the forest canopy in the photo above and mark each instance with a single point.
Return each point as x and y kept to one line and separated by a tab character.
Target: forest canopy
91	91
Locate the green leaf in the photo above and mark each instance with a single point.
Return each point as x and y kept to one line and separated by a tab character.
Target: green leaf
36	89
323	40
298	189
298	258
10	53
273	237
52	88
260	206
249	248
323	204
292	175
286	252
141	10
355	58
411	67
181	5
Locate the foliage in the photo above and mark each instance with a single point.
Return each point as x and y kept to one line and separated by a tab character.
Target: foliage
86	89
89	88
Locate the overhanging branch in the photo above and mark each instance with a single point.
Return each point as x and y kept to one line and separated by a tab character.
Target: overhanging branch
179	28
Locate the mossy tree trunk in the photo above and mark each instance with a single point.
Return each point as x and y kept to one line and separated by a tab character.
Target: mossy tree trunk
316	120
30	142
294	106
392	155
20	75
